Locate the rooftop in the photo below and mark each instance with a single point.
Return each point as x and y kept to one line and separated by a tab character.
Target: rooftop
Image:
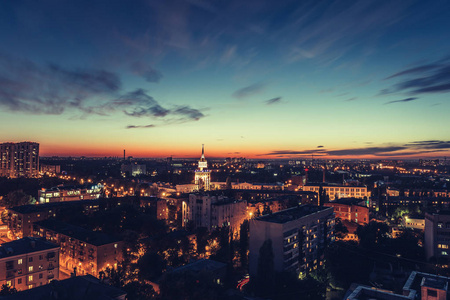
32	208
96	238
202	265
295	213
25	245
80	287
418	279
333	185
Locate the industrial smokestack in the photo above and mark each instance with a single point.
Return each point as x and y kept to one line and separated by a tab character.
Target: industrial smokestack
123	154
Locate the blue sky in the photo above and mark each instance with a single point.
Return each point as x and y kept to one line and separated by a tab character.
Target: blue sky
246	78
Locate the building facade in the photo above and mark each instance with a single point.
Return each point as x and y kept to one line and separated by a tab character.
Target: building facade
70	193
19	159
339	191
350	212
82	251
299	236
437	235
28	263
202	174
20	219
205	210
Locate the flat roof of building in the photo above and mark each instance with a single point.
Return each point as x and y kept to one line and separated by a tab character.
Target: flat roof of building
32	208
291	214
328	184
80	287
201	265
96	238
25	245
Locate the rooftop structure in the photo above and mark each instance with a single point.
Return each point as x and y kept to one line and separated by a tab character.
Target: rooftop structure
96	238
292	214
80	287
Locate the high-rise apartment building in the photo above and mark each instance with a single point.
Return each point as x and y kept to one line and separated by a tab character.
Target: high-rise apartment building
298	235
437	236
19	159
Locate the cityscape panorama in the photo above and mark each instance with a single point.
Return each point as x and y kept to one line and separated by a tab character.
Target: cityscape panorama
229	150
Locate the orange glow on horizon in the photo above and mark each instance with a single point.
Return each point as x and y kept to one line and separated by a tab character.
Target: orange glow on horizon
212	152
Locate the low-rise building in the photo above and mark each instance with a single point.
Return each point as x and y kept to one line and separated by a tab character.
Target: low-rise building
347	209
70	193
82	251
28	263
206	210
415	223
299	236
21	218
419	285
334	191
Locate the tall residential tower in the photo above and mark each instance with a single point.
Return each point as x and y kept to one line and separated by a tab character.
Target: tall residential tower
19	159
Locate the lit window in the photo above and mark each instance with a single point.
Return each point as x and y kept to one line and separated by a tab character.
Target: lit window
19	261
30	278
115	245
30	269
8	283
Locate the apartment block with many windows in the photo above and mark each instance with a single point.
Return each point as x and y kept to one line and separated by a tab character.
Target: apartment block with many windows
28	263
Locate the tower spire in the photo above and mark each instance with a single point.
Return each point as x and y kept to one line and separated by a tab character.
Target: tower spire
203	149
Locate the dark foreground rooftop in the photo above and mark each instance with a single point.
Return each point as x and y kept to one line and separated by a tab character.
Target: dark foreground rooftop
295	213
82	287
96	238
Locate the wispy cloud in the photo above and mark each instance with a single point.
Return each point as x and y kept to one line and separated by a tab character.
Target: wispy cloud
403	100
409	149
250	90
428	78
52	89
273	101
140	126
146	71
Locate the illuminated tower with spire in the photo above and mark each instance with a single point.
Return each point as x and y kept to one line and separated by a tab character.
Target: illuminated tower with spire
202	174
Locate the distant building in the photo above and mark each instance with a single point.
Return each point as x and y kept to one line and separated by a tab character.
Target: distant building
51	169
414	223
70	193
205	210
79	287
133	169
21	218
347	209
160	206
299	236
86	251
437	235
202	174
19	159
28	263
339	191
419	285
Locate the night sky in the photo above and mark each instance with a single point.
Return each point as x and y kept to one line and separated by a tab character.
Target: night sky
260	79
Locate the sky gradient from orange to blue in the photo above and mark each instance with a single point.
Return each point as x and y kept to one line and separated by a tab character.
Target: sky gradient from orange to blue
256	79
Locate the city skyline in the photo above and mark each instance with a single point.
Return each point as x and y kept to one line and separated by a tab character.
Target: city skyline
256	79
